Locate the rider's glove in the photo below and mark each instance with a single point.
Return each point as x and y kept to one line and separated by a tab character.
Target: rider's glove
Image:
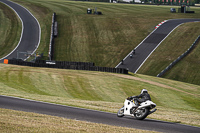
129	98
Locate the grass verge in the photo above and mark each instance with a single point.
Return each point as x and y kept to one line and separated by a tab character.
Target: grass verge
18	121
101	91
10	30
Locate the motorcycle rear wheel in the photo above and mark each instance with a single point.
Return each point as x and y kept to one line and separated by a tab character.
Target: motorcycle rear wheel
141	113
120	113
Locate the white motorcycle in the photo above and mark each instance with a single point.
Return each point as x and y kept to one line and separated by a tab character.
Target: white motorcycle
139	112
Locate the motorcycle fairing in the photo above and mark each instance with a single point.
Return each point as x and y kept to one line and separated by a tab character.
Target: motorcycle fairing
146	104
127	106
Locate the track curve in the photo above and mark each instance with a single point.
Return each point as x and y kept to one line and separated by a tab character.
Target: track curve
31	32
150	43
92	115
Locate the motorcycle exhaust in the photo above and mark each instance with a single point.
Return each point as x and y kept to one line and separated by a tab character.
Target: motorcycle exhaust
152	111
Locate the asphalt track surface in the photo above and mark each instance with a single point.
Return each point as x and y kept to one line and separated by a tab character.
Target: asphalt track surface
30	36
93	116
149	44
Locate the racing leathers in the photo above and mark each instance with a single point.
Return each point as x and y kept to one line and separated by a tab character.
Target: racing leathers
141	98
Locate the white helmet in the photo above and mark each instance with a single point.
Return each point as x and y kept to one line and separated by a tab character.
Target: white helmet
144	90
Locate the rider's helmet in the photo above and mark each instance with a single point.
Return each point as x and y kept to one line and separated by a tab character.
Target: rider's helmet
144	90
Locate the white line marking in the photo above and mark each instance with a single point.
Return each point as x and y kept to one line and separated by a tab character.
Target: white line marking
157	47
23	30
21	33
138	45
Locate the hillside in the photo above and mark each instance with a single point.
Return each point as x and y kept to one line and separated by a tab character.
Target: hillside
108	38
102	39
171	48
101	91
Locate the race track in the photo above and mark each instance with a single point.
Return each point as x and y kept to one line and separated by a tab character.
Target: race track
150	43
30	39
93	116
30	36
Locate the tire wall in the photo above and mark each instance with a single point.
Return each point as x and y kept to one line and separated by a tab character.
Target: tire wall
66	65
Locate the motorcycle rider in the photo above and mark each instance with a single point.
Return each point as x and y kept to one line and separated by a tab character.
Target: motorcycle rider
144	96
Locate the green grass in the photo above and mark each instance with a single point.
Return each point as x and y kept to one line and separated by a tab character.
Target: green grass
10	27
105	39
108	38
170	49
18	121
101	91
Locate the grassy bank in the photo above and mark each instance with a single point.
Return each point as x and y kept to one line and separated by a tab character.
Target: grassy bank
10	27
17	121
105	39
101	91
108	38
171	48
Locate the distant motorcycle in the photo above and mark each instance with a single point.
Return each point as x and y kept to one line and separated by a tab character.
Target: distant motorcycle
140	112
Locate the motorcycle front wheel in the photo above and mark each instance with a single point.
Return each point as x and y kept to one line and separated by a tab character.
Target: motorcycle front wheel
141	114
120	113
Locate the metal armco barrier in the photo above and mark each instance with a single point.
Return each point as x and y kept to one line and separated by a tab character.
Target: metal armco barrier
179	58
66	65
50	53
